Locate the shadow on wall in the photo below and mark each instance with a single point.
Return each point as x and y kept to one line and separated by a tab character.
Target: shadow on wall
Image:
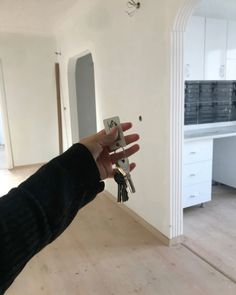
82	96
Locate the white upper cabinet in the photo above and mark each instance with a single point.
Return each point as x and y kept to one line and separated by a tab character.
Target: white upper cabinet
215	49
231	42
231	69
210	49
194	49
231	51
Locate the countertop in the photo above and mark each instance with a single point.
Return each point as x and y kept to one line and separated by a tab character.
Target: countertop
210	133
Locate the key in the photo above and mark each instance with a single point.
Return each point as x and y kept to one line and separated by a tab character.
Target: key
119	199
122	176
119	192
121	179
125	196
122	185
124	165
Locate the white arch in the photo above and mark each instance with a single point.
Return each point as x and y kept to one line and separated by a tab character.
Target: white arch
177	115
183	15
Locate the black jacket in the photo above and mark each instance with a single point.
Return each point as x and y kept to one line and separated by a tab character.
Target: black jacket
40	209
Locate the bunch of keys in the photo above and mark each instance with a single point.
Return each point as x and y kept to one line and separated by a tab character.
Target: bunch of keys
122	175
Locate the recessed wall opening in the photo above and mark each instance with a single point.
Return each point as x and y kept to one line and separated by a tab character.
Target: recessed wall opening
205	164
82	96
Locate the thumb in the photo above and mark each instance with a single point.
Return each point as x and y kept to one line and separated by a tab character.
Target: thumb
110	138
97	142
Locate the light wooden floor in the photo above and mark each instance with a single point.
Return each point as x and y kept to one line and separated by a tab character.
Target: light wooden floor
211	231
11	178
105	252
3	159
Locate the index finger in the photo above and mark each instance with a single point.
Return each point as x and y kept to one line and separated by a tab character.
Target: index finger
125	126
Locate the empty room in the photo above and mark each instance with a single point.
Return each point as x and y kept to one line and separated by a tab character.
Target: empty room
117	127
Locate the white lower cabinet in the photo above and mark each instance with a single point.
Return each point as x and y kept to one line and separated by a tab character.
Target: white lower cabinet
197	151
196	194
224	161
197	172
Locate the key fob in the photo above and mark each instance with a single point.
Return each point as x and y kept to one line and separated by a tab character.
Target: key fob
109	124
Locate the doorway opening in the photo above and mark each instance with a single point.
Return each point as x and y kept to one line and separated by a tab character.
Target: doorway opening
82	96
204	128
6	161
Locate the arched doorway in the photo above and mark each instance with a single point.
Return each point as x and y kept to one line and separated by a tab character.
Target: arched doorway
82	96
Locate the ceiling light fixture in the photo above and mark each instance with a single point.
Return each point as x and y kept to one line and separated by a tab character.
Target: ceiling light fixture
133	6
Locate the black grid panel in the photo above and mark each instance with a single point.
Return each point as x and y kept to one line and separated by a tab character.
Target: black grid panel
210	102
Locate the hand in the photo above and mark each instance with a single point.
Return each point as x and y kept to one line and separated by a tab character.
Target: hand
98	144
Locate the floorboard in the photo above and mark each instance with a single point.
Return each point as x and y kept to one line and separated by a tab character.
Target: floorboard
211	231
106	252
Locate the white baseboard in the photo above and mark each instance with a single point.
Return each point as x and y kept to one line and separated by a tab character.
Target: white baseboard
165	240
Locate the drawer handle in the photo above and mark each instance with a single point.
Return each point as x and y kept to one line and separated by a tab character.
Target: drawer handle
193	153
192	196
192	175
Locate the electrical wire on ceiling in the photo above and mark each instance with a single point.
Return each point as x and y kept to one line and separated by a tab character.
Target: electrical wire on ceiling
133	6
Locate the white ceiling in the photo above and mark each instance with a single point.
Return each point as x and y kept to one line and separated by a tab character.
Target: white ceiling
217	9
40	16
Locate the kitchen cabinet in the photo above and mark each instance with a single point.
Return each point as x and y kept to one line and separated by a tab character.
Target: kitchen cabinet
208	153
215	49
231	51
231	42
231	69
197	172
224	161
210	49
194	49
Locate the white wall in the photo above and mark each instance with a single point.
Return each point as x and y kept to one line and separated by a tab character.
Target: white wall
28	69
132	76
1	130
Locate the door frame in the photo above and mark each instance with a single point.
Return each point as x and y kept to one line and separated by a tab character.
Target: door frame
177	115
5	120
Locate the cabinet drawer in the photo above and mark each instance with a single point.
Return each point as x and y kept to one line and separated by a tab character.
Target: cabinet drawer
197	151
197	172
196	194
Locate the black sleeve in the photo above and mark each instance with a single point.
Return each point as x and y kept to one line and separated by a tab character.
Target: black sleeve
39	210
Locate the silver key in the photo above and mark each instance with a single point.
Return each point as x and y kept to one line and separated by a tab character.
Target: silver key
124	165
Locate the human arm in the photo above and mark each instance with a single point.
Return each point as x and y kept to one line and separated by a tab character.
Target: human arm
39	210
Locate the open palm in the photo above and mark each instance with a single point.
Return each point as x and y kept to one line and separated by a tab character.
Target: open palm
98	144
